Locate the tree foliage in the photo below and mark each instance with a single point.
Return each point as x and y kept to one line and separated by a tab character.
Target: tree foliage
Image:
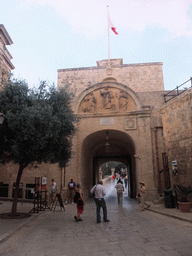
39	124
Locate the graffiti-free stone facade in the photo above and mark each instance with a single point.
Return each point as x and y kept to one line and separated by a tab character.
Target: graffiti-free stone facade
138	77
177	129
115	99
5	57
122	117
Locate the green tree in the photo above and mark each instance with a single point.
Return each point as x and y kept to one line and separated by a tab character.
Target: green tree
38	127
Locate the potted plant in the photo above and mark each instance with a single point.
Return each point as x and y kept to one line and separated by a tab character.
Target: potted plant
182	193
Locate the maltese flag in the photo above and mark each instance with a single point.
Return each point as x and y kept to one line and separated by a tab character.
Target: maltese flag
111	26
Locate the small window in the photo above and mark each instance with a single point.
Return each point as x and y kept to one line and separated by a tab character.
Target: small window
4	188
28	191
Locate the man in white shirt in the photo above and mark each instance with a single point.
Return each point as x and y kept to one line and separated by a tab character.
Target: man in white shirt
100	201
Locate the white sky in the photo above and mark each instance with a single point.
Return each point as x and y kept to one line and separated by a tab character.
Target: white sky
57	34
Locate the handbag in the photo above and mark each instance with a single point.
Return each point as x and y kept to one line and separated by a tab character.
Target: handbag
80	202
76	197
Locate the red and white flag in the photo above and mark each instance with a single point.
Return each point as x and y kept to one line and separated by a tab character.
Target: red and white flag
111	26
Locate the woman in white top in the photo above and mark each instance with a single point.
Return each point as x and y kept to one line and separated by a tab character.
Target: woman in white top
53	189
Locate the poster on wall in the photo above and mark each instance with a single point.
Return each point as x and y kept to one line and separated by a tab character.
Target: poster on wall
43	183
174	167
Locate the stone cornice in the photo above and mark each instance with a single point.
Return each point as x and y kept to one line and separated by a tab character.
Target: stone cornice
5	34
6	59
140	113
119	66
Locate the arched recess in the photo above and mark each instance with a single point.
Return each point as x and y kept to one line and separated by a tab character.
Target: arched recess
95	152
109	79
77	101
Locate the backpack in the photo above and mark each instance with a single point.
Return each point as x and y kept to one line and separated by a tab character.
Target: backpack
76	197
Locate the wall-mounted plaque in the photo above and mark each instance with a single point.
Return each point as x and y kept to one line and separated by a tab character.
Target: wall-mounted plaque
130	123
106	120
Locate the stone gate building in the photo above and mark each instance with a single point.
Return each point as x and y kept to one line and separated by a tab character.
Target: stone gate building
122	117
119	120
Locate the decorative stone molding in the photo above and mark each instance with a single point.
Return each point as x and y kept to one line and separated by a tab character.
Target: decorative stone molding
130	123
106	100
109	71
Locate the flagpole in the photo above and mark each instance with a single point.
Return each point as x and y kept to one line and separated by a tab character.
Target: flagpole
108	36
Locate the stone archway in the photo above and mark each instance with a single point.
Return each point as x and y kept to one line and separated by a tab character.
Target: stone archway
112	107
121	148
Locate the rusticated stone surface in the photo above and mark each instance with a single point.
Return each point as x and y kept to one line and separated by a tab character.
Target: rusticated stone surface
177	129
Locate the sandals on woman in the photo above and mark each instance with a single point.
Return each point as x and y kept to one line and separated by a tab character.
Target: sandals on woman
78	219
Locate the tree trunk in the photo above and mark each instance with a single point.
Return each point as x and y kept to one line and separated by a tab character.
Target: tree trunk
16	193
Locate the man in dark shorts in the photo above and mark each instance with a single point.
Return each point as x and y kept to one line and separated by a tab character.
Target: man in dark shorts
71	191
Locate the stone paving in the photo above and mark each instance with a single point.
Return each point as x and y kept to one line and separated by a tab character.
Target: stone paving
129	232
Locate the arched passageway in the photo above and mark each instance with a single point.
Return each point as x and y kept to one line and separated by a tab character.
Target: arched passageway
104	146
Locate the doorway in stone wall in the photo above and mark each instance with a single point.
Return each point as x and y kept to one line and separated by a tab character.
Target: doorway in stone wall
106	146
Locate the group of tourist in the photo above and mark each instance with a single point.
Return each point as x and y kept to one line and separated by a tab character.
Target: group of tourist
76	196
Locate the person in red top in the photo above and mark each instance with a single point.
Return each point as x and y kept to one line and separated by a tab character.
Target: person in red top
80	203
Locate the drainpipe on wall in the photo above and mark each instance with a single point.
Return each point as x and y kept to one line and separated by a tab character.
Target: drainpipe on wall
157	158
61	180
63	177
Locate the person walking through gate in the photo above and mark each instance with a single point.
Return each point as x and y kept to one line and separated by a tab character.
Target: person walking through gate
100	201
120	188
126	181
141	195
80	203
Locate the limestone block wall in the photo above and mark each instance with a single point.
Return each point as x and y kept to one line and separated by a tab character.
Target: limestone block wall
139	77
144	152
177	129
156	100
9	175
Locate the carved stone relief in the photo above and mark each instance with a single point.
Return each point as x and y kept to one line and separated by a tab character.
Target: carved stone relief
89	103
144	124
130	123
106	100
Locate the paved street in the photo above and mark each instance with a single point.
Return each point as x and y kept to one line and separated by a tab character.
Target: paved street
129	232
